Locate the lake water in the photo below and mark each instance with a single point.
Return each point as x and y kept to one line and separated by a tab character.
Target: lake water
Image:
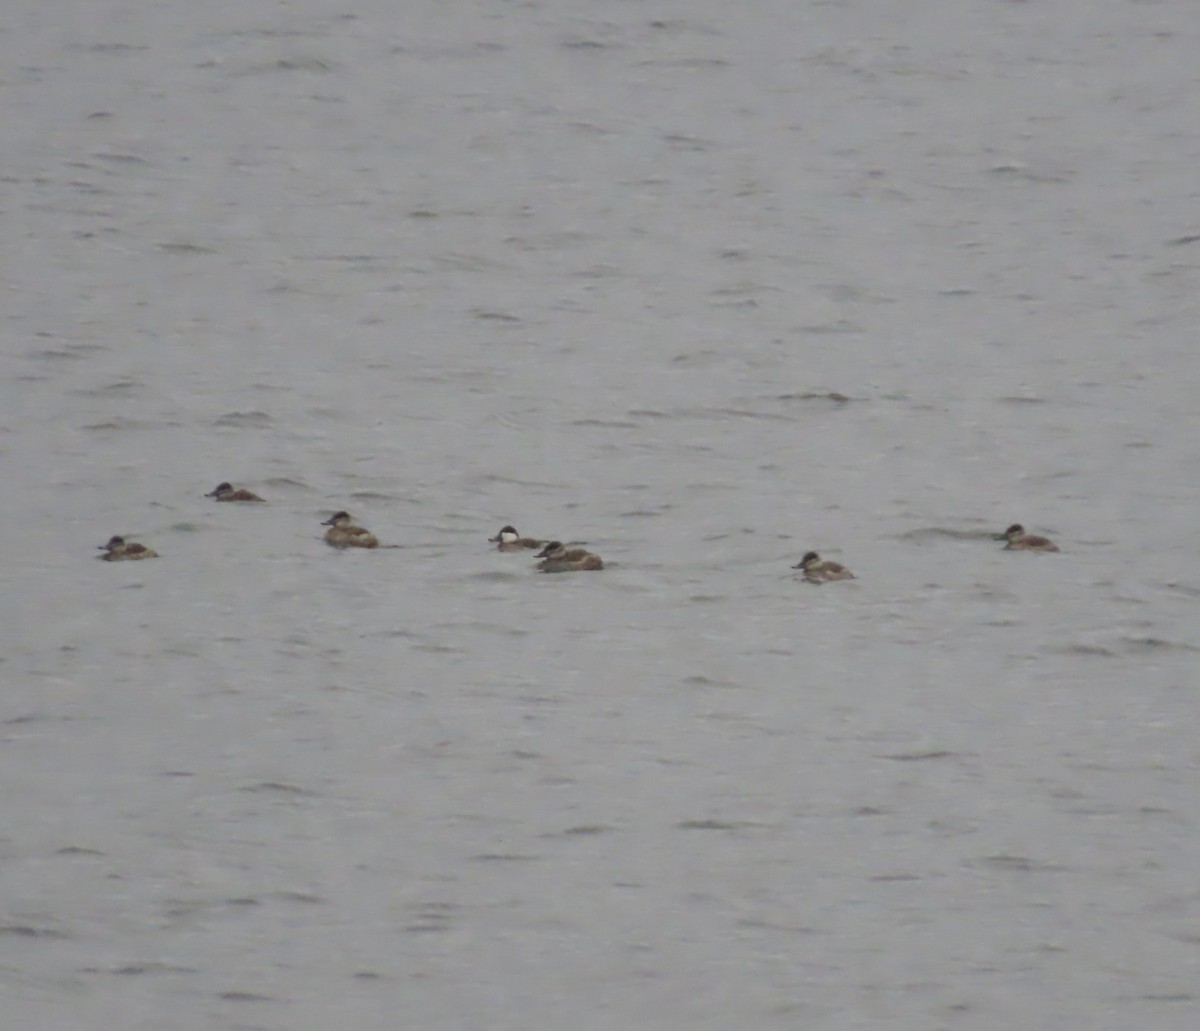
705	285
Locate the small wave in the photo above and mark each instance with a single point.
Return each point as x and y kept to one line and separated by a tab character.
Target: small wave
183	247
738	413
681	141
106	48
373	495
352	259
148	967
515	482
830	328
473	625
289	64
29	931
1016	170
1018	864
403	635
121	159
914	757
244	997
494	316
277	787
496	576
586	830
687	63
119	388
587	44
256	419
61	354
122	423
719	414
707	825
1096	650
699	680
818	395
1138	645
926	532
304	897
504	857
432	916
437	649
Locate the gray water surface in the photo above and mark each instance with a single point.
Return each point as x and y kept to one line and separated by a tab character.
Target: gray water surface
705	285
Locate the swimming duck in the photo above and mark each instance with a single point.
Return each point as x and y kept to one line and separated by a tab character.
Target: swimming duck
818	572
118	549
342	533
509	540
558	559
1019	540
227	492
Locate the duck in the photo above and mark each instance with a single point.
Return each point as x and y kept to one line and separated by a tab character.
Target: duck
1019	540
556	558
227	492
118	549
818	572
342	533
509	540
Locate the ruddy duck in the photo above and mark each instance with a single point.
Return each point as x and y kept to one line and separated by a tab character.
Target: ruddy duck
227	492
118	549
1019	540
558	559
342	533
818	572
509	540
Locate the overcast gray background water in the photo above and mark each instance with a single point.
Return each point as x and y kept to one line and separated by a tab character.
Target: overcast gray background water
705	285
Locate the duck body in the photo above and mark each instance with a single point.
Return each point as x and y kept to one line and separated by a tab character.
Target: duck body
227	492
342	533
556	558
509	540
118	549
1019	540
817	571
